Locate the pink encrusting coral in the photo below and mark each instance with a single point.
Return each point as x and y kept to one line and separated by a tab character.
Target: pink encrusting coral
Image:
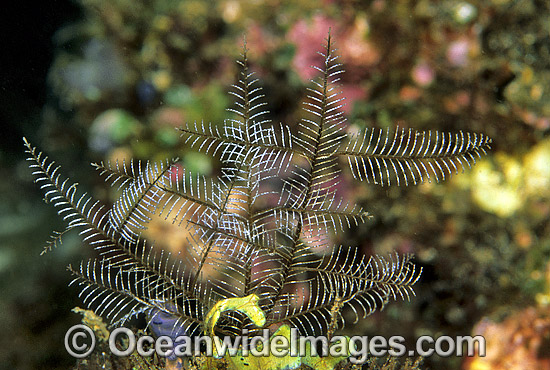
307	36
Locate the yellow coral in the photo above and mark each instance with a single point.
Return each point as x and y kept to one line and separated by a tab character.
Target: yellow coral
498	191
536	165
502	184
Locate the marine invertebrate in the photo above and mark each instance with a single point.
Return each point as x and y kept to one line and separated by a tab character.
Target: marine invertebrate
259	229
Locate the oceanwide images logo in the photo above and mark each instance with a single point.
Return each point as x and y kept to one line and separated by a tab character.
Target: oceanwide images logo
80	342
